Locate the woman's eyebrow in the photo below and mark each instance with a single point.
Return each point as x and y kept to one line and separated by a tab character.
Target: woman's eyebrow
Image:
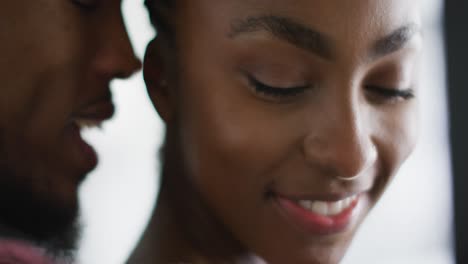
394	41
288	30
313	41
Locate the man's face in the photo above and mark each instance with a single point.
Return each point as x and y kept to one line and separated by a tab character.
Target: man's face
58	57
293	116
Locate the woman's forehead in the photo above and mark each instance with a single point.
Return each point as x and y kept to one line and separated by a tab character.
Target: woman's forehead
319	13
378	26
308	6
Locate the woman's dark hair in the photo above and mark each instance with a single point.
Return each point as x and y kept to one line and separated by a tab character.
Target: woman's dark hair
162	15
158	13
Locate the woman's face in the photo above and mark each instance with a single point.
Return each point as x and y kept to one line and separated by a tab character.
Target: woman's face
294	115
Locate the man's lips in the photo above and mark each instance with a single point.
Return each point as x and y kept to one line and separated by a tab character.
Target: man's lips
95	110
92	115
99	111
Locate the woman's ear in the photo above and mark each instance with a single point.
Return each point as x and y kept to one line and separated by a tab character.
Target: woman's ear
155	73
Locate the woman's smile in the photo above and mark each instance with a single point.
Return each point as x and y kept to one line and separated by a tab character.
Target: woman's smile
319	217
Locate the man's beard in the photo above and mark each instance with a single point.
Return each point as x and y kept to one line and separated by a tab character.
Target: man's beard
27	216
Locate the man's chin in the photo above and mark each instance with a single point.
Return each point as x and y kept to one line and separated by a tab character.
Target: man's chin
43	221
26	248
20	252
59	245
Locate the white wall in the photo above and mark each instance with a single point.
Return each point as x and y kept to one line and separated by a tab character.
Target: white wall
118	196
410	225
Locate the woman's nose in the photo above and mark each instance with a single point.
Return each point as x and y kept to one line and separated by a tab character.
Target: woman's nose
341	145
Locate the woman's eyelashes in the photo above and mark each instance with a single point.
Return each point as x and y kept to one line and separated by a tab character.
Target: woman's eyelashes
378	93
390	94
276	93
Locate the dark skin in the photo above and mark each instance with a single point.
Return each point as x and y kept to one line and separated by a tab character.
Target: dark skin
58	58
274	101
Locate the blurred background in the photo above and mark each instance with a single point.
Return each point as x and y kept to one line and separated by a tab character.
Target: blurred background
411	224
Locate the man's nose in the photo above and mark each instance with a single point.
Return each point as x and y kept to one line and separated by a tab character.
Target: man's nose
341	145
116	57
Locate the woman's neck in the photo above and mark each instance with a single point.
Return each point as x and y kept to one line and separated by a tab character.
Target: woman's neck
163	241
172	238
183	228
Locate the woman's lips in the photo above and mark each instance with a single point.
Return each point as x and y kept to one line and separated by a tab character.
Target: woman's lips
319	217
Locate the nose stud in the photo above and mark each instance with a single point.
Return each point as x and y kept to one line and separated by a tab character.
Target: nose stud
370	161
348	178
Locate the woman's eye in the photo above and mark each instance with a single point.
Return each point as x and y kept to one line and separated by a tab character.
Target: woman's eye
390	94
86	4
276	93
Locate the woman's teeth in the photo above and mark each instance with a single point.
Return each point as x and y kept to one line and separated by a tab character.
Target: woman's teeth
328	208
